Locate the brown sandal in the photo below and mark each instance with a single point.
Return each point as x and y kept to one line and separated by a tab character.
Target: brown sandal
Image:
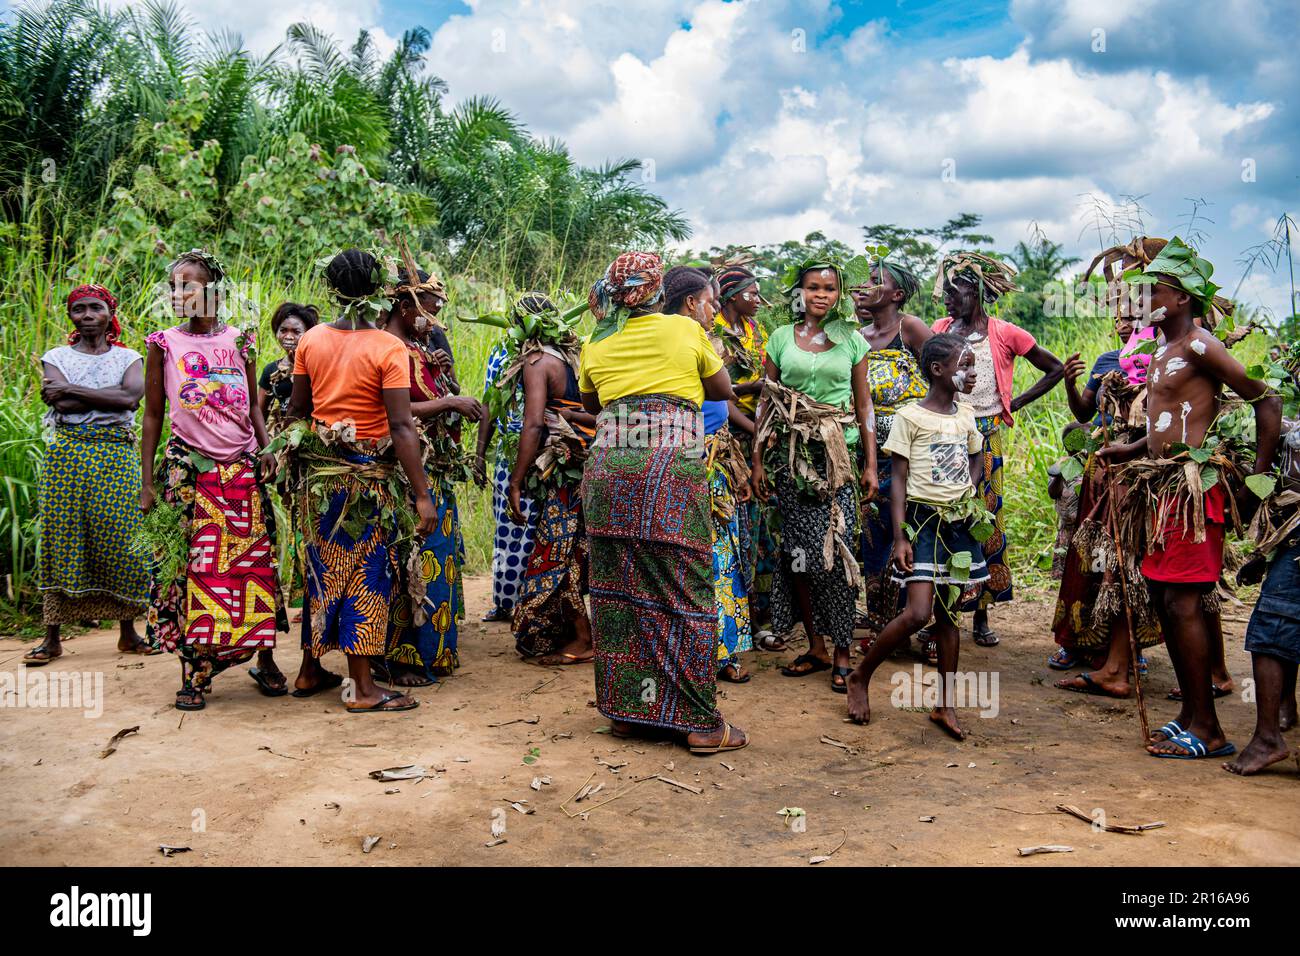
724	744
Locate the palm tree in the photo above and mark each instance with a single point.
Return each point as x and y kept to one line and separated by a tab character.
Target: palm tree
51	63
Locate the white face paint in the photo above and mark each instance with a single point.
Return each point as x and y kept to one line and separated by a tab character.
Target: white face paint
1175	365
1186	409
826	273
1157	315
1198	346
1164	421
960	376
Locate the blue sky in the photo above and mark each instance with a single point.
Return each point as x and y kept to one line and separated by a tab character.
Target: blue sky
766	119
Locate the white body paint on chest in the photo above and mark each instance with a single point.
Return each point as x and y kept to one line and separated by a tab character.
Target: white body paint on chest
1186	408
1175	365
1198	346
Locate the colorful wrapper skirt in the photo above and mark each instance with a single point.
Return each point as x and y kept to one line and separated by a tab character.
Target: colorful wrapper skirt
90	507
804	520
430	647
551	595
654	606
731	578
998	586
224	604
351	581
511	543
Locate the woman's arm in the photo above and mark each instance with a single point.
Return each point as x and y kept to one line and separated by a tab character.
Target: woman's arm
300	400
756	475
866	415
736	416
1051	367
915	334
401	427
154	402
530	438
717	387
471	409
122	397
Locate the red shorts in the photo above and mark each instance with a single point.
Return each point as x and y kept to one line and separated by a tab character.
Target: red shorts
1180	560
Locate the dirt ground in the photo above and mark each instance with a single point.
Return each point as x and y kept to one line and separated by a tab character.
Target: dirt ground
263	781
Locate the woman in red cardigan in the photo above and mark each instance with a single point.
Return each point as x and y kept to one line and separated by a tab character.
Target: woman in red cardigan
968	282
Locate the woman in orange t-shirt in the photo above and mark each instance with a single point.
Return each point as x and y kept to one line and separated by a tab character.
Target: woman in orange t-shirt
353	380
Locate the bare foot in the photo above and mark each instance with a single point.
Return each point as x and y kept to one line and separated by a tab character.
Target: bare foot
859	708
946	718
1257	755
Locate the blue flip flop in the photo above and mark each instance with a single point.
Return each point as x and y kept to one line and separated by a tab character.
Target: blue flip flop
1195	748
1170	730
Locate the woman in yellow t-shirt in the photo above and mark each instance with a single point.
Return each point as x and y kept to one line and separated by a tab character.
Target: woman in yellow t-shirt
647	508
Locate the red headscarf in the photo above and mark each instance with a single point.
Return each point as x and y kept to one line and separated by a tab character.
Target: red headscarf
97	292
634	278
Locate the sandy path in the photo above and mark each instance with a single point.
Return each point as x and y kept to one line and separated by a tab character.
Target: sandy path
248	780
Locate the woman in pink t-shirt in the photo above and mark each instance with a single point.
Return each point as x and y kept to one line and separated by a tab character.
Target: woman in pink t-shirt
214	597
996	344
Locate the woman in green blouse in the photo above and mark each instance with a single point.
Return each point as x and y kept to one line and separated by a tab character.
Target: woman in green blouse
822	360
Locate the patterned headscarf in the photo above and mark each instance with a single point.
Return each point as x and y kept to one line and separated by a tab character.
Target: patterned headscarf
633	279
733	281
89	291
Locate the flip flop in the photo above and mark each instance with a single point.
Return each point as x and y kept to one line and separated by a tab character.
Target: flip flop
31	660
730	668
1195	748
985	637
264	683
1170	730
817	663
767	641
1090	687
723	744
1219	692
196	701
380	706
141	647
328	681
840	672
551	660
1062	660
